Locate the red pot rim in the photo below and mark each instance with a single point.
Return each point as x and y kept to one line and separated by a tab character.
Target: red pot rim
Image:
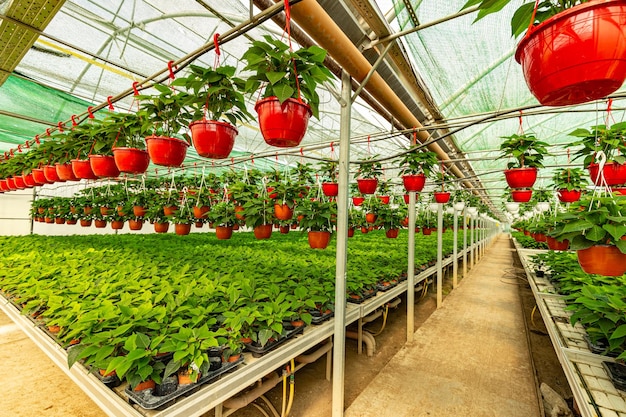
520	169
289	100
559	16
167	138
213	122
125	148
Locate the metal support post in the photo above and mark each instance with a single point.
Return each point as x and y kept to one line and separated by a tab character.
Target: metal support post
464	243
455	253
439	254
472	223
410	272
339	346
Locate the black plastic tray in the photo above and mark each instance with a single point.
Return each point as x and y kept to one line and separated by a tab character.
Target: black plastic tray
147	400
259	351
384	288
363	298
599	348
617	372
318	317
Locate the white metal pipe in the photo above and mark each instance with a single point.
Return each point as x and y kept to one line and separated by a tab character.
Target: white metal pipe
339	348
472	223
439	254
455	254
464	242
410	272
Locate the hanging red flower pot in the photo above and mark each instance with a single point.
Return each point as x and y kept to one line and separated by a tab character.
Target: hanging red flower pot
554	244
370	217
3	186
50	172
614	174
619	190
521	177
602	260
139	211
540	237
19	182
330	189
223	232
357	201
284	230
521	196
367	185
392	233
161	227
283	125
100	224
351	232
576	56
71	221
384	199
182	229
414	182
29	180
427	231
59	220
200	212
135	224
318	239
85	222
164	151
442	197
283	212
39	176
213	139
169	210
131	160
65	172
103	166
568	196
263	232
117	225
82	169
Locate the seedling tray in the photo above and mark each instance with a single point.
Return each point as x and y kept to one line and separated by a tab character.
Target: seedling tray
362	298
318	317
147	400
384	288
258	350
617	372
599	348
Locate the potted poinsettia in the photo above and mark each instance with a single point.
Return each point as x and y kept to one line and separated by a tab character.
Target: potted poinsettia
317	216
527	153
258	212
367	175
165	117
390	218
569	183
289	79
586	67
222	215
415	167
606	146
104	133
129	146
217	102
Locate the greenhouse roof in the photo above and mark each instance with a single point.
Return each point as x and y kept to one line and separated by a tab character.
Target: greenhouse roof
455	76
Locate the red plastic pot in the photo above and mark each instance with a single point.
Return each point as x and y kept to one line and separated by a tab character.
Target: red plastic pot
614	174
619	190
427	231
82	169
39	176
370	217
50	172
135	224
29	180
139	211
164	151
414	182
19	182
350	231
442	197
213	139
85	222
161	227
223	232
200	212
131	160
65	172
357	201
392	233
4	186
602	260
170	210
576	56
263	232
283	125
330	189
100	224
283	212
566	196
367	185
521	196
117	225
182	229
554	244
71	221
59	220
540	237
521	177
103	166
384	199
318	240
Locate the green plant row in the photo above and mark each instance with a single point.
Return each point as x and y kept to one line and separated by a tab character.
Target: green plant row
597	302
126	299
528	242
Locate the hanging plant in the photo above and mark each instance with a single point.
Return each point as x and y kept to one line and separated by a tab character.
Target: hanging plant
367	175
603	143
587	66
329	171
569	183
528	153
415	167
217	102
289	79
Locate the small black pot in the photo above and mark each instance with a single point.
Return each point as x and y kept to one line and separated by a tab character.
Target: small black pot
167	386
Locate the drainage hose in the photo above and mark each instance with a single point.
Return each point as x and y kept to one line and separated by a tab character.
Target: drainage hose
385	314
292	387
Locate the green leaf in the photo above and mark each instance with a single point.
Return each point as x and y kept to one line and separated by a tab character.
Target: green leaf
619	332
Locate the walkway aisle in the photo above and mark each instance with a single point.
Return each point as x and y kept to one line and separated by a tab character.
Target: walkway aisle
469	359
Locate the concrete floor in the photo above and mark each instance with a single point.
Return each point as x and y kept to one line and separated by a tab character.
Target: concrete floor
470	358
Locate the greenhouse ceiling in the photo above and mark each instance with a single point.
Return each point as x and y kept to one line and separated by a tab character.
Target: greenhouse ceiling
459	79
